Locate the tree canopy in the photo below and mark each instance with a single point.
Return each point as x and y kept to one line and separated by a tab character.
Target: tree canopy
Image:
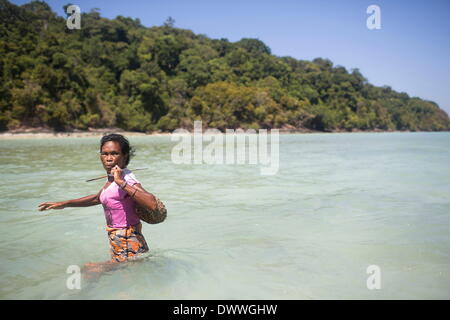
119	73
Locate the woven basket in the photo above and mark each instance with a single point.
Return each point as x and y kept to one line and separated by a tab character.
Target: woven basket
152	216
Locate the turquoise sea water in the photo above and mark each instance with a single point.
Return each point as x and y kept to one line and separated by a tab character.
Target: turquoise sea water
338	204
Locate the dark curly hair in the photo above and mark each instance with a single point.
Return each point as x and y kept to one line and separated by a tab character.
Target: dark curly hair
125	147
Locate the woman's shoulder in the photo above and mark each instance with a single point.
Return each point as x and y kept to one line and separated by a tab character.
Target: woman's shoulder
129	176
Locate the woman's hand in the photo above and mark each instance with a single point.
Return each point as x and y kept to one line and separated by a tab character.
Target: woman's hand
118	174
52	205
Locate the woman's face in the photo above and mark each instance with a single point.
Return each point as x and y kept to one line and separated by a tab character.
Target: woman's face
111	155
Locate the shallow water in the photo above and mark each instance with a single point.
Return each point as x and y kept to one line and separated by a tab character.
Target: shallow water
339	203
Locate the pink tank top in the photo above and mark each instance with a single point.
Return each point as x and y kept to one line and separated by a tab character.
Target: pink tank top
119	207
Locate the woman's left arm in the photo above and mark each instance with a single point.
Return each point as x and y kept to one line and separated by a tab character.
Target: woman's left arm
143	197
137	192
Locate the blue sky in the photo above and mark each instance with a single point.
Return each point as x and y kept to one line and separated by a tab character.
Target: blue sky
410	53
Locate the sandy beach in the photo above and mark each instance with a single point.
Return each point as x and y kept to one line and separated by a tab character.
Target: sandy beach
39	133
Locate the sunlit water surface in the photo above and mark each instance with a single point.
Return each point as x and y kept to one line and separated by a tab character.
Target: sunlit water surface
338	204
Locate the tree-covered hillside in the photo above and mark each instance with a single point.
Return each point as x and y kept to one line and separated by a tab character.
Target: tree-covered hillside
118	73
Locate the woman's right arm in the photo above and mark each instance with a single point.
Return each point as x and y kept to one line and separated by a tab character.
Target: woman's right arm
87	201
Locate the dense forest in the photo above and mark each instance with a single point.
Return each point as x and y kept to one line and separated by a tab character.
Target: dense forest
119	73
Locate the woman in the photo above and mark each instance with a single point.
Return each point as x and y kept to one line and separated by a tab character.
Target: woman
118	197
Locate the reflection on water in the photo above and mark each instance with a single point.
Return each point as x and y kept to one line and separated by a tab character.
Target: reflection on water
339	203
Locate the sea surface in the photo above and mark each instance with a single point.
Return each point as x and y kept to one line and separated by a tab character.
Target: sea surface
339	206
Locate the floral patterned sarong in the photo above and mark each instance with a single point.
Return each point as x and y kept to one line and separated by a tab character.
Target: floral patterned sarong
126	243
